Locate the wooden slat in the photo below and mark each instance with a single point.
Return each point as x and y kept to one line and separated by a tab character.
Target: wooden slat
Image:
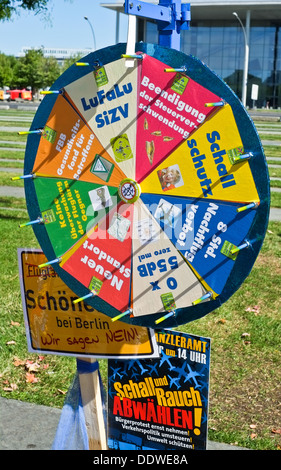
93	408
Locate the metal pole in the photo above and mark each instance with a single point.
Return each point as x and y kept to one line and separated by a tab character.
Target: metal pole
171	17
246	55
171	37
117	27
92	29
246	59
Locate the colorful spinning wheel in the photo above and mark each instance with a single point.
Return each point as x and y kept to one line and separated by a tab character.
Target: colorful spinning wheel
149	185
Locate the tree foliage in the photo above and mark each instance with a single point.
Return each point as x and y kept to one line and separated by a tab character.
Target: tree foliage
7	69
33	70
70	61
30	69
9	7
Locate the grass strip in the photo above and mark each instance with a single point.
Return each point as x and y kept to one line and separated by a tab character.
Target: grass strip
270	136
6	179
12	135
275	172
272	150
275	199
12	202
13	164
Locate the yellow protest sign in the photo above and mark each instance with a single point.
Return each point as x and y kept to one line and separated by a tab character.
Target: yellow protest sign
57	325
207	165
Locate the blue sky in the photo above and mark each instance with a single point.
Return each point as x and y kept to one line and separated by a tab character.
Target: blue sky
66	27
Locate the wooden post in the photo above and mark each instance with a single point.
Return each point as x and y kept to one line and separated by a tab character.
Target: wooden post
93	407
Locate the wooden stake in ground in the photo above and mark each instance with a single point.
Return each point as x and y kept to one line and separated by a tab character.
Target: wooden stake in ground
92	405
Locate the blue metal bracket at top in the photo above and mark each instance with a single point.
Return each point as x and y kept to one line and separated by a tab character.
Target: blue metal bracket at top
171	16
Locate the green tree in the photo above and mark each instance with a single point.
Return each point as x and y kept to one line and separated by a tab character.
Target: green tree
70	61
36	71
30	70
52	71
9	7
7	70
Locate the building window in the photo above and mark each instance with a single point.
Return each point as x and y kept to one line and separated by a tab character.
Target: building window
220	44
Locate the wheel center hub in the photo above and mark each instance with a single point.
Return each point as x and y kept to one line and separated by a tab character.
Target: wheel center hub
129	191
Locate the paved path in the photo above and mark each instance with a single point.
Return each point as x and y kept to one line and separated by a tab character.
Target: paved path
12	142
275	214
13	129
10	170
12	191
26	426
12	149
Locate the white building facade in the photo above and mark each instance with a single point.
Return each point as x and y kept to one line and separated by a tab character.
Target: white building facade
60	54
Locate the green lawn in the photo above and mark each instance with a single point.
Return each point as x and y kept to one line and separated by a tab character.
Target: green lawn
245	377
